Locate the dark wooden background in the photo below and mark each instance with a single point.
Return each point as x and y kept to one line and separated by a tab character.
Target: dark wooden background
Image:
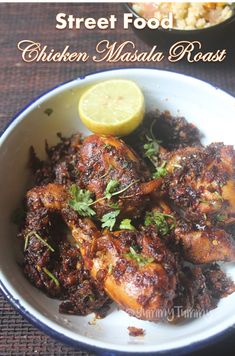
21	82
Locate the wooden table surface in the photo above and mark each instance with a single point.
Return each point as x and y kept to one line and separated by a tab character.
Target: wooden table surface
20	82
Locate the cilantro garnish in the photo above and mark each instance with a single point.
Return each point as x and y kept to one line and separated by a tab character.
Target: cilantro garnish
138	257
108	220
111	191
111	188
81	200
150	148
125	188
161	221
126	225
161	171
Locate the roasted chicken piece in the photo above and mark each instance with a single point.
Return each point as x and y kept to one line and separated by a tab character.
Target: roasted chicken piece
135	268
105	160
201	182
205	246
141	283
200	244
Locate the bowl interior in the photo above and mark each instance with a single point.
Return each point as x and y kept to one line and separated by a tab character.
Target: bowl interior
209	108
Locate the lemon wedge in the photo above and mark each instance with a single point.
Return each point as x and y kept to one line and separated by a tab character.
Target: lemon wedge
112	107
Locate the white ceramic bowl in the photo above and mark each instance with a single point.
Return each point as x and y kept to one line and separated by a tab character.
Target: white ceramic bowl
212	110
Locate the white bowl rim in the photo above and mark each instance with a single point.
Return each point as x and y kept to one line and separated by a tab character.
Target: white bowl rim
100	347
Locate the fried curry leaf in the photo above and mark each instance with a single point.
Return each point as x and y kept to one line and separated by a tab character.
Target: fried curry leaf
126	225
108	220
81	200
161	220
138	257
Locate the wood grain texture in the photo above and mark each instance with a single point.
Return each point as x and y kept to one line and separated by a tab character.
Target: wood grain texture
21	82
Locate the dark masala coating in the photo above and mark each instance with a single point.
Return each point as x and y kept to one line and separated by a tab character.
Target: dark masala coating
199	290
61	166
200	182
169	132
56	267
133	220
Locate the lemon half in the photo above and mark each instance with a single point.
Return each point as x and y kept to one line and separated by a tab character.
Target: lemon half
112	107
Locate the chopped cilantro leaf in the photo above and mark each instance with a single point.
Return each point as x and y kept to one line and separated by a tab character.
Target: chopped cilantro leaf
81	201
161	221
108	220
138	257
126	225
111	188
160	171
150	149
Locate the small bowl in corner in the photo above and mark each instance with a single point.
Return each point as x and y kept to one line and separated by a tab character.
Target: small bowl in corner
213	34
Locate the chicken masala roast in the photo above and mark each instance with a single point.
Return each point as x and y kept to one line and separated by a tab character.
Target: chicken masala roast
142	222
